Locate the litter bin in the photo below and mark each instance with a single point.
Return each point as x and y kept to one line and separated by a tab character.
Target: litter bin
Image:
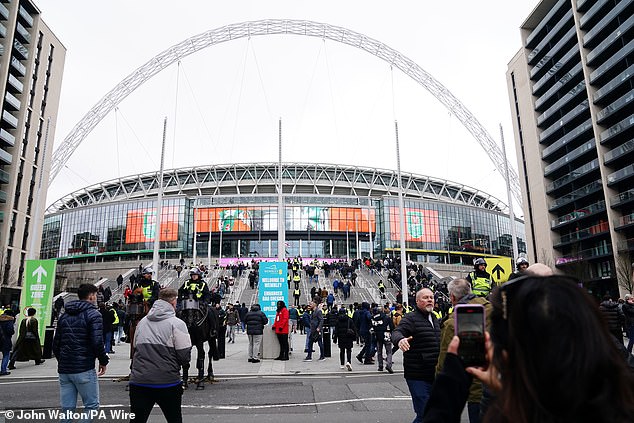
327	342
49	332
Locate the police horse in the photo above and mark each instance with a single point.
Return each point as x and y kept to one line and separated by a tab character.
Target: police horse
195	315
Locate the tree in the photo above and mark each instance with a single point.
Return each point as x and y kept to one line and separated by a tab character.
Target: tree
624	272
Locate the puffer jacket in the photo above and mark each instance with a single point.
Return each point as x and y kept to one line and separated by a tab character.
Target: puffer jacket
365	319
628	311
78	339
162	345
281	322
613	316
419	363
7	329
255	320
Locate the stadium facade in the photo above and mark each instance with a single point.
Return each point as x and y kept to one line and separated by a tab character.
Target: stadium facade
331	211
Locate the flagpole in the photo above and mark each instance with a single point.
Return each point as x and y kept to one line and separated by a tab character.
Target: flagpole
159	206
401	219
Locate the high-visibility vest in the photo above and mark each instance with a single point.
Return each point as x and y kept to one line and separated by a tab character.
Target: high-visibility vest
297	278
195	288
116	317
438	314
350	313
381	285
147	292
480	286
296	293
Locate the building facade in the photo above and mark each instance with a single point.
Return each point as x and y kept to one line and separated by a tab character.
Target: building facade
31	66
571	89
230	211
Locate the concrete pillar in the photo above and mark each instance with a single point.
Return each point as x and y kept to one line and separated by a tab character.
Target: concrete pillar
270	345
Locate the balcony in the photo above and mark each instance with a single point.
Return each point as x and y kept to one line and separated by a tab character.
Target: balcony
4	12
3	197
572	176
23	33
24	14
538	51
10	119
624	125
585	233
15	83
594	208
3	30
4	177
609	41
556	68
558	106
621	175
622	198
624	221
618	152
22	52
573	77
582	192
570	157
554	52
11	102
15	64
589	39
567	118
598	4
590	253
614	84
617	105
617	58
540	26
6	138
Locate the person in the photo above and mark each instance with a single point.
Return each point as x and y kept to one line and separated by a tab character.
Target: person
383	327
521	264
418	335
344	336
628	314
242	313
530	367
315	334
147	286
460	293
121	326
78	341
255	321
613	316
364	319
280	326
108	320
7	329
381	287
28	346
58	305
232	319
161	347
297	293
195	287
480	279
119	281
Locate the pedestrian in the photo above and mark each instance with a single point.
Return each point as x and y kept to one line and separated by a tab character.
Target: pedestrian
363	327
280	326
255	321
315	334
233	318
306	325
628	312
418	336
77	343
613	316
28	346
383	327
108	326
344	336
536	323
161	347
121	326
7	329
242	313
119	281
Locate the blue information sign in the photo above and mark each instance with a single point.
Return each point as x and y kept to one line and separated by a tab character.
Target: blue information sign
272	286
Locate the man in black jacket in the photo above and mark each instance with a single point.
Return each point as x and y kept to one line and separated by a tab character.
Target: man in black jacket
255	321
78	342
418	336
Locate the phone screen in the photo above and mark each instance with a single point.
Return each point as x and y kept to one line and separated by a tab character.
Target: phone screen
469	323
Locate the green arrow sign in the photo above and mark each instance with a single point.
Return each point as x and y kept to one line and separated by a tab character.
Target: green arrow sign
37	291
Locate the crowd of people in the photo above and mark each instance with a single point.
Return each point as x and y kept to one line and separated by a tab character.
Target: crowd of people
532	364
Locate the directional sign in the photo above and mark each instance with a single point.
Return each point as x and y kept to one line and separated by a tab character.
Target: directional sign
500	268
272	286
37	291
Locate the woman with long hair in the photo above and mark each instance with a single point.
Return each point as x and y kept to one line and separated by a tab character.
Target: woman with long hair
551	359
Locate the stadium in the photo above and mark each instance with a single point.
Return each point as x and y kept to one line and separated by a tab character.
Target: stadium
224	212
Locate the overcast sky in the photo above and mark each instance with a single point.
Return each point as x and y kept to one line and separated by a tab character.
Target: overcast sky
337	103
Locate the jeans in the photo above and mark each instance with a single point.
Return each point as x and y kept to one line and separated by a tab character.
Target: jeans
345	353
107	341
84	383
381	345
420	394
5	361
320	342
231	333
473	408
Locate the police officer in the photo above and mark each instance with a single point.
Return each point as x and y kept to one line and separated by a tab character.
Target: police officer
195	286
521	264
480	279
296	294
149	286
381	287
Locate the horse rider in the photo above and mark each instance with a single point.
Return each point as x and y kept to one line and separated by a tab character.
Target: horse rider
195	288
150	288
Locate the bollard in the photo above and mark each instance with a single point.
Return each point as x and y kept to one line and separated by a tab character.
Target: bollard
327	342
49	332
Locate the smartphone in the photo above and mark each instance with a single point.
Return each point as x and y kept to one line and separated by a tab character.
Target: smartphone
469	327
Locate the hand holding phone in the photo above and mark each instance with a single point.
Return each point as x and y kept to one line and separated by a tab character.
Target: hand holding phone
469	327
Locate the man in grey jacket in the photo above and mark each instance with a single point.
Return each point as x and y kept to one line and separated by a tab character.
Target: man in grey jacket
316	329
162	347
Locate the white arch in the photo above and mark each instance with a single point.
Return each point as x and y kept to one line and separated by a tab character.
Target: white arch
272	27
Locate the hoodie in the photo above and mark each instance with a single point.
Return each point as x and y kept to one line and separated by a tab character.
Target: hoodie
161	346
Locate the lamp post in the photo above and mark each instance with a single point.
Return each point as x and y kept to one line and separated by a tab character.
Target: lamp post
308	229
